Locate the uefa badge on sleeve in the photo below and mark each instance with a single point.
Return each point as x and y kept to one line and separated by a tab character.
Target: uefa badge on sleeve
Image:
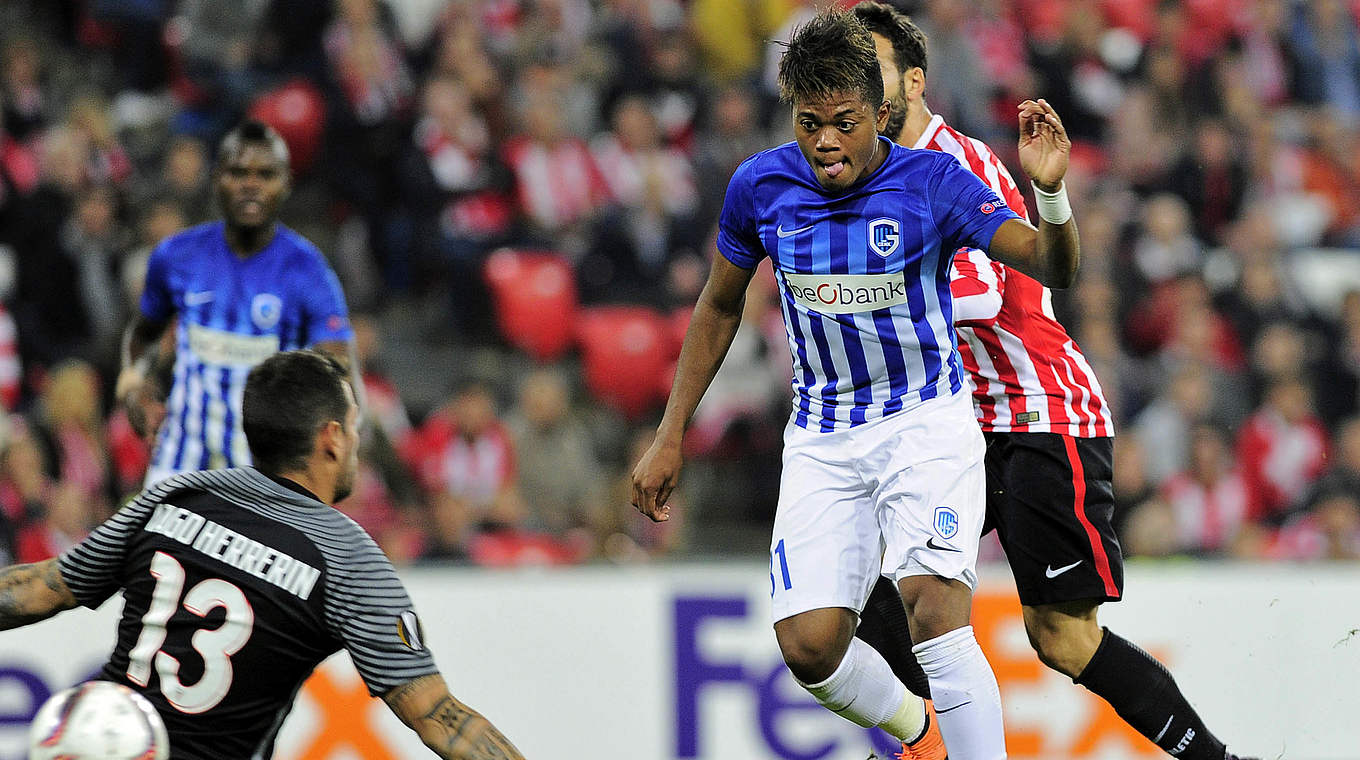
410	632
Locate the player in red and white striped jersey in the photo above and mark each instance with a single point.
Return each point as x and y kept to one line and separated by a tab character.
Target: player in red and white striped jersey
1049	443
1028	374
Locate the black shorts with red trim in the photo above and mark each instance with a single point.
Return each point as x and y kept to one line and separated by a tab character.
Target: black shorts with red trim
1051	499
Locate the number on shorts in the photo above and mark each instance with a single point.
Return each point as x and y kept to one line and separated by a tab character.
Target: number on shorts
783	567
215	646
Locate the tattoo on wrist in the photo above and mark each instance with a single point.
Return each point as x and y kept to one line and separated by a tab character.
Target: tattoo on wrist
469	735
23	601
14	610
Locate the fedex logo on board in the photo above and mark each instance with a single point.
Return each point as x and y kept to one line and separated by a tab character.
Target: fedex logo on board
767	684
778	719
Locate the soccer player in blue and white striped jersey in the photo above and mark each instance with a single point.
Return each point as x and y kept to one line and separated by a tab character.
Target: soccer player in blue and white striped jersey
243	288
883	459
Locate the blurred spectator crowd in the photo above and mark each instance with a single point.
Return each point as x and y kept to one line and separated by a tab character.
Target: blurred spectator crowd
520	198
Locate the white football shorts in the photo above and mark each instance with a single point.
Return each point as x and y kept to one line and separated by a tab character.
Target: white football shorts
901	495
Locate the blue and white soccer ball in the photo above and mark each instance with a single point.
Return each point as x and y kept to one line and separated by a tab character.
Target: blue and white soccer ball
98	720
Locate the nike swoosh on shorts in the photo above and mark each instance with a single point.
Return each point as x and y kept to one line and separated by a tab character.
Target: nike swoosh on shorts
1051	573
930	543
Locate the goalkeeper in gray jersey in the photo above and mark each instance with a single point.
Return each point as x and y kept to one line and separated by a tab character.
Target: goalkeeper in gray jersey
238	582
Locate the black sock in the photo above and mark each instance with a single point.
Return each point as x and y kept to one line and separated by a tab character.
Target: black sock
883	626
1144	694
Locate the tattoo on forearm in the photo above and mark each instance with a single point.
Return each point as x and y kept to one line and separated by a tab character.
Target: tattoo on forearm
51	577
451	715
469	735
10	579
401	693
29	593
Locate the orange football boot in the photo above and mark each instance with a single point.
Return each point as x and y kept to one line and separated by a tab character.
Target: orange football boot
931	744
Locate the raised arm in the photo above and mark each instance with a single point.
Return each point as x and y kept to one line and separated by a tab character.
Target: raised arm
1051	253
452	729
29	593
716	318
145	351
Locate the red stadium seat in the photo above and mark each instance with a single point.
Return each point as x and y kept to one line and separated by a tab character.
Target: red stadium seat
625	350
534	295
297	111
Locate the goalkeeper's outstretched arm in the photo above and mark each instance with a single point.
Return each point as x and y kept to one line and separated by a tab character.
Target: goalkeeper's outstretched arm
29	593
452	729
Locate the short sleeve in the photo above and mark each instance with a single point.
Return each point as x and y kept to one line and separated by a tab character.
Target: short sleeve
967	212
368	610
738	239
158	303
327	316
92	569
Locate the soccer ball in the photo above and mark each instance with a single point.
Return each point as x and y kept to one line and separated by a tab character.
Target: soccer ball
98	720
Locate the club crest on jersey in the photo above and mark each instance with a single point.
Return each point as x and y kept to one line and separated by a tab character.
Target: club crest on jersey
265	310
884	236
410	632
946	522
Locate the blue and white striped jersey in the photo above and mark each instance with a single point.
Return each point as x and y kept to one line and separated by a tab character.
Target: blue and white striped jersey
863	274
233	314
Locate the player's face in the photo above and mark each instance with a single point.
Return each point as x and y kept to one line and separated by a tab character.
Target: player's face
344	485
250	186
838	136
894	87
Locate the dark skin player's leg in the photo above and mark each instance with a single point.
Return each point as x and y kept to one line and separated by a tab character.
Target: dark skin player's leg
935	606
814	642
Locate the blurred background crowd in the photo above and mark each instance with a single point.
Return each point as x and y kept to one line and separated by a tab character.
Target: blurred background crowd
520	199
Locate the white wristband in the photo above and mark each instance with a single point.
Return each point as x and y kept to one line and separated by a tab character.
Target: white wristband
1053	207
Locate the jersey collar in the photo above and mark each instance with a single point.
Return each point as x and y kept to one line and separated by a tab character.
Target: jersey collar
935	124
292	486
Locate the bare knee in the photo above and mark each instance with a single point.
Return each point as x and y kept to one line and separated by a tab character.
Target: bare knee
1065	636
814	643
935	606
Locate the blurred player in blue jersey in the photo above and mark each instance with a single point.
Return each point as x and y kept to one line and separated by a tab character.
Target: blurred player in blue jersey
883	460
243	288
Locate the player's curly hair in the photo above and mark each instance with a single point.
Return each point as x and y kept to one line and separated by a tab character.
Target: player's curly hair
252	132
831	54
908	41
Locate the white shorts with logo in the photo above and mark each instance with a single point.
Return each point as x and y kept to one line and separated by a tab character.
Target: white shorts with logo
901	495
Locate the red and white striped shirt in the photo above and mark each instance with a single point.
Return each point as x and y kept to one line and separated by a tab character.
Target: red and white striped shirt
471	468
559	184
1028	375
1208	517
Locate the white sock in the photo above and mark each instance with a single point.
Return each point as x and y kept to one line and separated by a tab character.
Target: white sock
864	691
967	701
